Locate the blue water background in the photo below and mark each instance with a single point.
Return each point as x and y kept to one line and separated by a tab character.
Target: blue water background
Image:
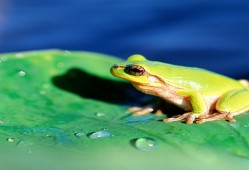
213	34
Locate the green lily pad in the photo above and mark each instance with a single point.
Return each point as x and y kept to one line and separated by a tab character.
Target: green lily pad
65	107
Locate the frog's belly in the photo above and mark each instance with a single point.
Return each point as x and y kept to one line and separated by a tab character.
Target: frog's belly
184	102
168	94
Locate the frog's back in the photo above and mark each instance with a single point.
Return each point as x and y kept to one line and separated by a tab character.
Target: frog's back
197	79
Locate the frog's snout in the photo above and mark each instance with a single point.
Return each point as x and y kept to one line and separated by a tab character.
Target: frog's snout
117	69
115	66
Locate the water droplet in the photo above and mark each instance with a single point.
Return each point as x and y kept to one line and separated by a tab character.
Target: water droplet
19	55
10	139
78	134
49	140
24	143
60	65
21	73
4	58
67	52
43	92
99	134
138	118
145	144
100	114
246	125
45	85
234	125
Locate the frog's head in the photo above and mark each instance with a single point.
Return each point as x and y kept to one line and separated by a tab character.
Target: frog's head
139	71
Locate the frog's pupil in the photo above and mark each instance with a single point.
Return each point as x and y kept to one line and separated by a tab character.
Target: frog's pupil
135	70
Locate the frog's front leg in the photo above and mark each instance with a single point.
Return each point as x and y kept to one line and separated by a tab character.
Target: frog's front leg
199	107
229	105
140	111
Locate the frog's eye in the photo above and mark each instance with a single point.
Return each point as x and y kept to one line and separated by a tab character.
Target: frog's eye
134	70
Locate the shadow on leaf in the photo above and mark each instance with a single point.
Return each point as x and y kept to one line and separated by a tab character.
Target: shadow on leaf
89	86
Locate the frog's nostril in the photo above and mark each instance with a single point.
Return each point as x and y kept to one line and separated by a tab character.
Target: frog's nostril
115	66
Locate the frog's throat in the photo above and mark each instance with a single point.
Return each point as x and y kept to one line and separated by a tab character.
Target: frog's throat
149	88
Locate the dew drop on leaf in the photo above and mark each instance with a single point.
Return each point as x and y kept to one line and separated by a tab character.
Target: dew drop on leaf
246	125
45	85
21	73
49	140
145	144
4	58
138	118
99	134
100	114
43	92
67	52
60	65
24	143
234	125
19	55
10	139
78	134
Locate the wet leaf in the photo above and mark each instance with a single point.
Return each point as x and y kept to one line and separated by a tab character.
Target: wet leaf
60	105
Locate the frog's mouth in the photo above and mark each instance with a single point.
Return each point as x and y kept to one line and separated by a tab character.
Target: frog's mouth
137	75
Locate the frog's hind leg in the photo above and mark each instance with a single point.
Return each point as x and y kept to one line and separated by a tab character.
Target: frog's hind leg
198	105
231	104
244	82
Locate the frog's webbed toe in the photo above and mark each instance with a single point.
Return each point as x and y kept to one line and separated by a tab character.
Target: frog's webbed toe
197	118
188	117
216	116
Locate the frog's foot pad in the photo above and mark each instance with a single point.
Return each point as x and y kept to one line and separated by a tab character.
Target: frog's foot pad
217	116
188	117
201	118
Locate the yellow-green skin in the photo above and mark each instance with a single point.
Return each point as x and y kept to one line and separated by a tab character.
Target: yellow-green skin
198	91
